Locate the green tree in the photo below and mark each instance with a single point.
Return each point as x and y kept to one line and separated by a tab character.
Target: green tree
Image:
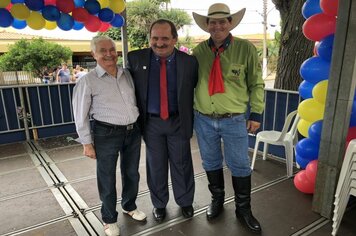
141	14
294	47
34	56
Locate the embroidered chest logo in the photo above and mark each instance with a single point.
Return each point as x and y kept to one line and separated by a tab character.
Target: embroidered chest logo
236	72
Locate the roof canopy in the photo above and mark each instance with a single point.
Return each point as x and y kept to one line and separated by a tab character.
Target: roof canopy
94	15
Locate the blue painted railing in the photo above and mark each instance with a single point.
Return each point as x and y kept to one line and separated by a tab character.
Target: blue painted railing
48	110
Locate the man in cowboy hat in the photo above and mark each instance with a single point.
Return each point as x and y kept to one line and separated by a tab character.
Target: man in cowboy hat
229	80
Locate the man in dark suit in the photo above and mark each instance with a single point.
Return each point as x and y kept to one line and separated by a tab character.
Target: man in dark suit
164	80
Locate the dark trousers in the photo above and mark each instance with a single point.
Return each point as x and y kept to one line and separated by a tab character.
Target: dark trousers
109	143
165	146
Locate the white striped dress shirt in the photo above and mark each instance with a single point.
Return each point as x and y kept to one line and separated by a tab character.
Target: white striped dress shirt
100	96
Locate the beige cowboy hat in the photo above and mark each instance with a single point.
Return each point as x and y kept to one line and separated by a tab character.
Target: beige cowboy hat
218	11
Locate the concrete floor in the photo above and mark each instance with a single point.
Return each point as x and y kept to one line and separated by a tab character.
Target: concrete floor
49	188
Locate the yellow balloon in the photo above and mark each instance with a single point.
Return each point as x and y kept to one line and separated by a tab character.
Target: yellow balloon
311	110
36	21
50	25
103	3
20	11
320	90
117	6
4	3
303	127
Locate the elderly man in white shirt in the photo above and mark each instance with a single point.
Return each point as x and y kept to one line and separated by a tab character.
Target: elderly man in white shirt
107	95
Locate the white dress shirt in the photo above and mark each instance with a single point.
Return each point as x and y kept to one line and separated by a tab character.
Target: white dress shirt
100	96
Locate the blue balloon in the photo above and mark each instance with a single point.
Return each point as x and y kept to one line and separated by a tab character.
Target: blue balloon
302	161
78	25
65	22
17	1
6	18
306	89
51	13
307	149
315	69
19	24
314	131
353	115
118	21
92	6
325	48
79	3
34	5
311	7
106	15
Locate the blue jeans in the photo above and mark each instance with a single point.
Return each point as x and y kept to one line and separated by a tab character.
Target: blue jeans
109	142
233	133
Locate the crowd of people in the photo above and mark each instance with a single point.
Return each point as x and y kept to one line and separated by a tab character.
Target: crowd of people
62	74
162	96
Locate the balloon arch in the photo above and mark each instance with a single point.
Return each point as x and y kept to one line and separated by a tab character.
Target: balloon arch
320	25
94	15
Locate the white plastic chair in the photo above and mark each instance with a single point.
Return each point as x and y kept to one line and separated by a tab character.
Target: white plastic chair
346	185
286	138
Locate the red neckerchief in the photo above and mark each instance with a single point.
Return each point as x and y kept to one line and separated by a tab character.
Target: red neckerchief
216	82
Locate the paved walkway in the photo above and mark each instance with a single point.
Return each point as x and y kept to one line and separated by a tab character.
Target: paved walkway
49	188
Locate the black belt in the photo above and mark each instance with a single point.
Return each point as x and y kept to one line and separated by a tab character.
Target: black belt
220	116
117	127
171	114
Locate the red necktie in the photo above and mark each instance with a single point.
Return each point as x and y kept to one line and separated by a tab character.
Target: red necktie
163	90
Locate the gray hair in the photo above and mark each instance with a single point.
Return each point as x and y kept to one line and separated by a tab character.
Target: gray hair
98	39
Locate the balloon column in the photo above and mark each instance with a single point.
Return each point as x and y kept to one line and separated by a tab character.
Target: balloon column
94	15
320	27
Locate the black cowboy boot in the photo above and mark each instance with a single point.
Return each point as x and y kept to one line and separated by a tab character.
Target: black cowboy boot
242	187
216	187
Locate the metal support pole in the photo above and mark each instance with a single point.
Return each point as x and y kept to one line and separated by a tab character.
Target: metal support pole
264	53
125	47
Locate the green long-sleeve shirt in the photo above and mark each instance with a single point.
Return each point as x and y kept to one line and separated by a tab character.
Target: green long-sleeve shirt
241	73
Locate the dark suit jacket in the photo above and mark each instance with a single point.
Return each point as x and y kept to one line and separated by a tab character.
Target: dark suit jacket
187	77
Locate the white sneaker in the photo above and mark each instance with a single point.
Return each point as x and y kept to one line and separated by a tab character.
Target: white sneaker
111	229
136	214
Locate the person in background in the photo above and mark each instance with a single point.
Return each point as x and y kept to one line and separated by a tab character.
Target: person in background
63	75
107	95
165	79
229	81
80	74
76	69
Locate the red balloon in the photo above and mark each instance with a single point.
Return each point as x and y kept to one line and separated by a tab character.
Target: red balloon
104	26
80	14
329	7
311	170
93	23
50	2
319	26
302	183
351	135
65	6
8	7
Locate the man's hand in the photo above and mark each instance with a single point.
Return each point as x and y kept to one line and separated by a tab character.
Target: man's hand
252	126
89	150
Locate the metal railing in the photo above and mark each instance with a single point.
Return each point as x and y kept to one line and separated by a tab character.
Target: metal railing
35	111
18	77
43	110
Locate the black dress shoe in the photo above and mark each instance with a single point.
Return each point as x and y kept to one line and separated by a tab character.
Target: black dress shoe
188	211
159	214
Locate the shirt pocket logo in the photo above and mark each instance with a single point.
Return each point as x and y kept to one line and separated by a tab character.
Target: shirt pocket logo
236	71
